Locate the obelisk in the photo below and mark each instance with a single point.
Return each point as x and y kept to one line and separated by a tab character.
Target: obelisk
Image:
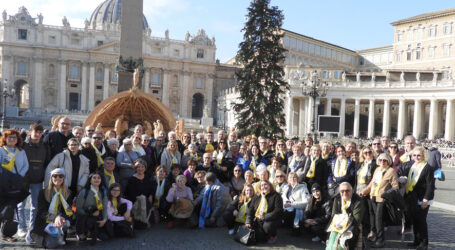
130	43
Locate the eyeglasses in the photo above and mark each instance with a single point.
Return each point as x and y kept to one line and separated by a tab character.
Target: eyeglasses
97	138
11	137
417	155
393	147
279	176
280	145
377	143
127	144
58	176
383	160
91	130
367	152
238	170
345	191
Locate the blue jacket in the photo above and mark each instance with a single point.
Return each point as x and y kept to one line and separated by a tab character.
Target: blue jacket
21	162
349	176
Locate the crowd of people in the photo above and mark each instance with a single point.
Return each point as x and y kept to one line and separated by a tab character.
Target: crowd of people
99	185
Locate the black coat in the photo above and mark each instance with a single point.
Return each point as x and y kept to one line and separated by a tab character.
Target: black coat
57	142
38	156
90	153
320	176
319	211
355	210
424	188
274	207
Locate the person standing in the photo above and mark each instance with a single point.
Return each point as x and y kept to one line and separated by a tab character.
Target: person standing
57	140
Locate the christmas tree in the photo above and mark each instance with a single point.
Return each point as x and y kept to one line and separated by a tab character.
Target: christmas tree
260	107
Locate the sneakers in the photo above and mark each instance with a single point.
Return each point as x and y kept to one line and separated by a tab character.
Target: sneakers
315	239
231	231
28	238
272	239
21	233
170	224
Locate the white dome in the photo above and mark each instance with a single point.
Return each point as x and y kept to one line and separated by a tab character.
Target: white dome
110	12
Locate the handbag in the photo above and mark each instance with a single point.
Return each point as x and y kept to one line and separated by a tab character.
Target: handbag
392	215
12	185
246	236
439	174
333	189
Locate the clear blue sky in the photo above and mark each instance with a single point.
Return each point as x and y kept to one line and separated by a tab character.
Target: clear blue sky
353	24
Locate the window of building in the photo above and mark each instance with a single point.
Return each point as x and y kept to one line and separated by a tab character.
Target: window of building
324	74
99	75
399	36
361	61
74	72
100	43
398	56
200	53
175	80
409	53
75	41
447	29
418	51
52	39
99	87
73	85
199	83
410	34
21	68
51	72
431	52
157	50
22	34
336	75
432	31
155	91
156	78
446	49
114	76
420	33
176	52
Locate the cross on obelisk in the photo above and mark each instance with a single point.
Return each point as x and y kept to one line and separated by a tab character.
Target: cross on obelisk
130	43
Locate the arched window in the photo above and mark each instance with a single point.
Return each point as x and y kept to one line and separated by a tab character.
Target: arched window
99	75
200	53
197	106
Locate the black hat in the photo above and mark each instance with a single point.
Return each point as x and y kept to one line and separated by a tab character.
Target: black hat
315	186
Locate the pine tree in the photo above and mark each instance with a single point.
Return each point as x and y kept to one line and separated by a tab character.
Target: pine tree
260	84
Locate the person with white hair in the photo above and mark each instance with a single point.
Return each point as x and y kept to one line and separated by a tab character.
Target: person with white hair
125	162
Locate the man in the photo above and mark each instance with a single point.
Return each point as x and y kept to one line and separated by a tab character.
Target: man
409	145
78	132
58	139
209	165
89	131
385	143
349	203
97	152
38	155
110	175
377	147
186	140
232	138
221	135
193	136
199	140
149	156
214	199
265	152
210	145
350	147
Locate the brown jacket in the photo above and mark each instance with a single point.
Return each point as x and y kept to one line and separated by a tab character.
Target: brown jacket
389	180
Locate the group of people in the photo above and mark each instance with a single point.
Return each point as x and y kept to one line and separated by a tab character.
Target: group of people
100	185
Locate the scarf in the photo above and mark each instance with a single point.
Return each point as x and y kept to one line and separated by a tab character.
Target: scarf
253	164
341	167
377	178
99	204
345	205
137	148
281	155
278	188
111	177
115	205
404	157
414	175
325	156
8	162
295	160
173	158
56	200
205	208
262	208
219	157
241	216
272	172
159	191
265	152
99	155
363	173
195	157
312	170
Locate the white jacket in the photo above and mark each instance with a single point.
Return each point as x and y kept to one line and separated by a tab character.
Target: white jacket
298	196
63	160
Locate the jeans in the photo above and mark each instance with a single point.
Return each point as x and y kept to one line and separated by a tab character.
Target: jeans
21	219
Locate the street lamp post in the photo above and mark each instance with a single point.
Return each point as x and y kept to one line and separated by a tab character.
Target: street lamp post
314	89
5	94
222	107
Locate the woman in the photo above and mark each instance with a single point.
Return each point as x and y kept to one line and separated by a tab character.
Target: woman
159	190
200	177
170	156
317	214
363	178
235	213
342	169
113	145
252	161
91	209
189	174
110	134
75	165
137	144
237	182
139	189
306	150
191	153
53	206
119	212
315	168
280	181
125	162
274	167
179	190
281	153
249	177
296	161
419	194
224	159
176	170
14	159
355	157
295	199
266	208
384	178
395	154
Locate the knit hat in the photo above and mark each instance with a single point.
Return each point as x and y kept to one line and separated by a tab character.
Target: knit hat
315	186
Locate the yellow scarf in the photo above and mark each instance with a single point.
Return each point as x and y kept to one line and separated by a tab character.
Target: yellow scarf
413	176
281	154
341	167
209	148
159	191
9	159
99	204
363	173
99	155
241	217
58	199
115	205
173	159
345	205
111	177
219	157
325	156
377	179
262	208
253	165
404	157
312	170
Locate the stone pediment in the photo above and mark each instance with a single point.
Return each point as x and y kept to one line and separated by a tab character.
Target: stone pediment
111	47
201	39
22	17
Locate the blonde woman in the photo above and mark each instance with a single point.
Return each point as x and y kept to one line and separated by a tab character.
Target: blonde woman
170	156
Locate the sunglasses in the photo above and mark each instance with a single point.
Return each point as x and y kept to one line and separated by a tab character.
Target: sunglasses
91	130
382	160
393	147
416	155
280	176
97	138
376	143
367	152
127	144
59	176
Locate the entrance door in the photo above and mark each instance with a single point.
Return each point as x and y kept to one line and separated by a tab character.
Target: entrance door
74	101
197	106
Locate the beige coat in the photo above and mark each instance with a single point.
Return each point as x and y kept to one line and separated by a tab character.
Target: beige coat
389	180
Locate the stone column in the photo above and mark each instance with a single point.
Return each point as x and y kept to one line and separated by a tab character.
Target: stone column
209	92
310	116
91	87
147	81
342	116
84	87
290	114
165	95
417	124
62	89
302	112
401	126
449	121
38	77
386	119
433	120
106	81
328	106
371	119
356	118
185	91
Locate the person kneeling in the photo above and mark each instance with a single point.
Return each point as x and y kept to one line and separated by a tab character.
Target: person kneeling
235	214
119	212
180	197
264	213
317	214
295	199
